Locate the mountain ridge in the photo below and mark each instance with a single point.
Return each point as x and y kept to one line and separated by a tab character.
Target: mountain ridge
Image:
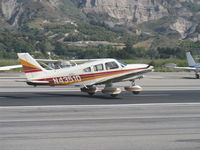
61	25
118	12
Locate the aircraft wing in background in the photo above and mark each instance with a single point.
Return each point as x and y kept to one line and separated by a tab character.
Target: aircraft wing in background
174	66
4	68
186	68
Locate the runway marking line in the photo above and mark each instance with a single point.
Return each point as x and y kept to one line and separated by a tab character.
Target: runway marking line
93	106
100	118
44	90
155	95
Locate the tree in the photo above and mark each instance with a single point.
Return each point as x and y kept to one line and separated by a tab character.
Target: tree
45	46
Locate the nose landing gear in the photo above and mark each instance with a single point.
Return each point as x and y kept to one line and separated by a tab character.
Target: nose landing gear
197	76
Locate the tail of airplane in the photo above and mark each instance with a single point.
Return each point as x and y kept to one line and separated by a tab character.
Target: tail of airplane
190	60
31	67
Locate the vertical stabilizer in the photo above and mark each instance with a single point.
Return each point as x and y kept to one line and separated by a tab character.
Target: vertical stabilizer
190	60
31	67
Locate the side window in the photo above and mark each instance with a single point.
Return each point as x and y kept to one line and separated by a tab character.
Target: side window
111	65
98	67
87	69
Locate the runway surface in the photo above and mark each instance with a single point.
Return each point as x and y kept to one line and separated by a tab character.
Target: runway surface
127	127
78	98
158	88
166	115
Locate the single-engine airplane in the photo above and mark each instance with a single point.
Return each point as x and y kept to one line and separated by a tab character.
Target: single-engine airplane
192	65
87	75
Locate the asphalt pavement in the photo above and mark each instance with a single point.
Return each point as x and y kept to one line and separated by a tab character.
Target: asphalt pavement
166	116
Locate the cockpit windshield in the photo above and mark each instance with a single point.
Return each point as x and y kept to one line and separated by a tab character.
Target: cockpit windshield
122	63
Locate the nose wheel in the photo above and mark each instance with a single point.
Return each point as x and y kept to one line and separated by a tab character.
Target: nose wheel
91	93
197	76
136	92
114	95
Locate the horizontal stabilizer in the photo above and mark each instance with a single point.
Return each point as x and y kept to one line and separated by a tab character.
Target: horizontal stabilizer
37	83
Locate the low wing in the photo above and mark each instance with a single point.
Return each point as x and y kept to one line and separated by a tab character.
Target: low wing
127	77
4	68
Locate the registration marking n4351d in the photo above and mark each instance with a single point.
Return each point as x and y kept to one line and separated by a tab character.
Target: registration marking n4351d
67	79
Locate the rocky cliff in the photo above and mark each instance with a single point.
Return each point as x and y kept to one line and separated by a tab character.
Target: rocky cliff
184	15
13	10
143	11
131	11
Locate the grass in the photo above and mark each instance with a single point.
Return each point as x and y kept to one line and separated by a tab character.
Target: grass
8	62
37	24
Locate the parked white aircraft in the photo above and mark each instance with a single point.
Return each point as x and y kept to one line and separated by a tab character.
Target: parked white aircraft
192	65
87	75
51	64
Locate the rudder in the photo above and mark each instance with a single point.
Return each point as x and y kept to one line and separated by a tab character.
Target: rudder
31	67
190	60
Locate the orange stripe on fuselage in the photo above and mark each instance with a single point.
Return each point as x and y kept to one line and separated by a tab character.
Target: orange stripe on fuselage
90	76
87	79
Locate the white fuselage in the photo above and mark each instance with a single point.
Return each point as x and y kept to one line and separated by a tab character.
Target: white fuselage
88	73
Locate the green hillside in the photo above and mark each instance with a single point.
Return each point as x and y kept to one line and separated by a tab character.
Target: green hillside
66	30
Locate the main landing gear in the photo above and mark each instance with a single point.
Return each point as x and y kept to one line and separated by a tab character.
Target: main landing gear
112	91
135	89
109	89
91	90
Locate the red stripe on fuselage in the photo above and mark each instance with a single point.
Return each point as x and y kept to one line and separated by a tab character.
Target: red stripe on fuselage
107	73
28	69
85	76
33	70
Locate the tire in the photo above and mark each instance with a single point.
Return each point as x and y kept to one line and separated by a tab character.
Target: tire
136	92
114	95
91	93
197	76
